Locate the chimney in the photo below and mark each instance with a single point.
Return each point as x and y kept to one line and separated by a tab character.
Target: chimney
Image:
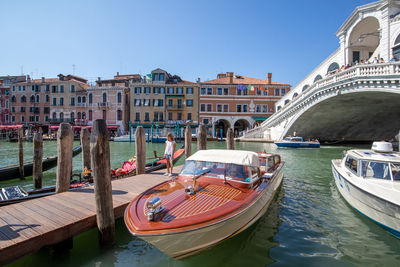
117	73
28	78
198	80
99	79
43	80
269	76
230	75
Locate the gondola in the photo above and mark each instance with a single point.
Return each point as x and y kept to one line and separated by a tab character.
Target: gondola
129	167
12	171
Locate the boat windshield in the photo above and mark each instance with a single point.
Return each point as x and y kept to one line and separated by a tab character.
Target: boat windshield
219	170
374	169
395	171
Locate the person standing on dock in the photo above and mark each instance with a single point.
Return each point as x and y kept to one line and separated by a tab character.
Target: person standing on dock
170	146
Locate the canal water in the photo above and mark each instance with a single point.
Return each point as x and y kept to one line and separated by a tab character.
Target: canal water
308	224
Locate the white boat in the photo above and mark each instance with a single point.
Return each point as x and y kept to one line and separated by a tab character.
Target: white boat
369	180
297	142
125	138
218	194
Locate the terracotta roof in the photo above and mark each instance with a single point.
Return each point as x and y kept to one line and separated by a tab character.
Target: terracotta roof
127	76
240	79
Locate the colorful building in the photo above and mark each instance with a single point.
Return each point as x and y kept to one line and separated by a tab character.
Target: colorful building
109	100
5	82
238	101
164	99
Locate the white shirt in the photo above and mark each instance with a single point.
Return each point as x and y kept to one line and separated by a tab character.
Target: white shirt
169	148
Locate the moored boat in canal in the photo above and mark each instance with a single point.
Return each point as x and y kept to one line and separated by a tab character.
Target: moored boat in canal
297	142
218	194
369	180
12	171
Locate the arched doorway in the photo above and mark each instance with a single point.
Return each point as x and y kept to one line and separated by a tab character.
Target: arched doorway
396	48
364	40
317	78
333	67
240	126
221	125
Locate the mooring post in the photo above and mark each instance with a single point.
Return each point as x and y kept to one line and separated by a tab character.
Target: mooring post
230	142
65	139
85	143
100	157
188	142
37	159
140	150
21	153
202	138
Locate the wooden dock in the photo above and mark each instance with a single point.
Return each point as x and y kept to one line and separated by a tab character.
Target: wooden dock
28	226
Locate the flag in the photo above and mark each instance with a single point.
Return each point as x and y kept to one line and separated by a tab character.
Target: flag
241	87
149	76
251	87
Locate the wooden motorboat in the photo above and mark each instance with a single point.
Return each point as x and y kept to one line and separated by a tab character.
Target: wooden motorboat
12	171
129	167
218	194
297	142
369	180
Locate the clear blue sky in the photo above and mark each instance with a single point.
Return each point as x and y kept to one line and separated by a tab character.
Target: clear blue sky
188	38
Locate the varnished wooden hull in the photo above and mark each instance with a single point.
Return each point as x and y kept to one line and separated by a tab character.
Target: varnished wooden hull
181	244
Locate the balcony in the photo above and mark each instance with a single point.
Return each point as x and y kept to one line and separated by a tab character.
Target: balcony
82	105
175	107
59	120
104	104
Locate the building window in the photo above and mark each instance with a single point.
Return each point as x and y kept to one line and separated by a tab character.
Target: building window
209	91
170	116
32	99
179	116
23	99
146	116
170	90
219	91
265	91
162	76
203	91
23	118
209	107
283	91
138	90
46	110
189	90
179	90
203	107
104	114
72	88
54	116
32	88
258	108
219	108
265	108
72	101
147	90
155	102
156	90
90	98
162	90
23	87
205	121
47	98
37	99
189	116
54	89
104	97
119	98
137	116
189	102
244	108
226	108
47	87
161	116
161	102
13	118
238	108
277	92
61	116
61	88
155	116
155	77
138	102
54	101
61	101
13	88
79	99
146	102
72	116
14	99
83	99
170	103
179	103
90	115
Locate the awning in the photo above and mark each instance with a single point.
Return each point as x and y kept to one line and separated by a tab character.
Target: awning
260	118
10	127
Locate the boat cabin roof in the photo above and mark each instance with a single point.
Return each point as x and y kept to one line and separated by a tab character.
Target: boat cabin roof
294	139
239	157
377	156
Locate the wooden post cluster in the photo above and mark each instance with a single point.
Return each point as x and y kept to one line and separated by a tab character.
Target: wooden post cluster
21	153
65	139
230	141
37	159
140	144
100	157
188	142
202	138
85	143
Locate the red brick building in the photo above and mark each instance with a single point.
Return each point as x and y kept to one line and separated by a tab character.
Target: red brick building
238	101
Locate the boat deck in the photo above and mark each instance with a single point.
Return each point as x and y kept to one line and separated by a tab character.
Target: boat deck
28	226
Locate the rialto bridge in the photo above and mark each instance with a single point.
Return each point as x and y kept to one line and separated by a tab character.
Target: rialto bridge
352	95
